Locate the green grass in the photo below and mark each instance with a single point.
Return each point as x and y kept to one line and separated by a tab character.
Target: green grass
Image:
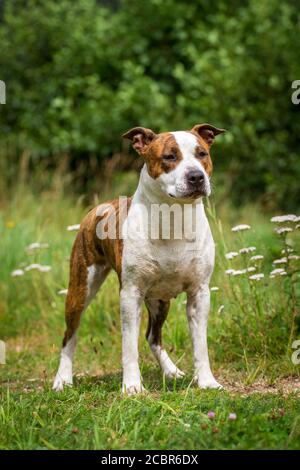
249	341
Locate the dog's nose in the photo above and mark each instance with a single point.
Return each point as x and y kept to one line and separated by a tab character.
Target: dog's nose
195	177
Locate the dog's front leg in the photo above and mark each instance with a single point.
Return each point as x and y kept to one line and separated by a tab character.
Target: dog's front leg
131	301
198	305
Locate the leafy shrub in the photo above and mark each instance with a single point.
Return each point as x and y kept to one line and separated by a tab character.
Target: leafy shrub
80	73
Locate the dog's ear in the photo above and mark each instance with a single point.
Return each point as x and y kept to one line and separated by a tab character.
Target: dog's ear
140	137
207	132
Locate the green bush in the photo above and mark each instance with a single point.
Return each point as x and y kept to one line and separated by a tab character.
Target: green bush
80	73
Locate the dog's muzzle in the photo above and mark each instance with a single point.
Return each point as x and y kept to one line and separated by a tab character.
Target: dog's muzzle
196	182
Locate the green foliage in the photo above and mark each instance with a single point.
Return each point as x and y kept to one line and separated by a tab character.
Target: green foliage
80	73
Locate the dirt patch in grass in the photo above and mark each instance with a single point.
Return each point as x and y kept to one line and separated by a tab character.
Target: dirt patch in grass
282	386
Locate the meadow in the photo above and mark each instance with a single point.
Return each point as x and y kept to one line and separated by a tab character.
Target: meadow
253	324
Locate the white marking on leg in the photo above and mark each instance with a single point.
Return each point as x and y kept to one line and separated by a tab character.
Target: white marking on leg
167	365
95	277
130	317
64	374
197	312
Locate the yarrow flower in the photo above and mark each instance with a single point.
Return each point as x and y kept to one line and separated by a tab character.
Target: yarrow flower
214	289
44	269
280	261
251	269
281	219
282	230
249	249
229	271
278	272
257	277
36	246
238	272
287	250
32	266
62	292
39	267
231	255
293	257
240	228
256	258
72	228
17	272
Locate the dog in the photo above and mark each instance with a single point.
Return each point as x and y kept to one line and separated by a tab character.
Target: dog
151	268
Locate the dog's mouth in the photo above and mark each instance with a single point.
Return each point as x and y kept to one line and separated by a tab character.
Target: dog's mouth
190	195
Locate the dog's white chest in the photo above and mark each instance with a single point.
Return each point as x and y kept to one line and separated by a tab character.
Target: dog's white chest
163	268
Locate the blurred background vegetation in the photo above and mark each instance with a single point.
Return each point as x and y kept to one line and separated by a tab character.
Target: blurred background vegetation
78	74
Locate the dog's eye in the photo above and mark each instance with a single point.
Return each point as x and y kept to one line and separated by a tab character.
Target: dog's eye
202	154
170	157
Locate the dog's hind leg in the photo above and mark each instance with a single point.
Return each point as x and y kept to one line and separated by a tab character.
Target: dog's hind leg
158	311
85	281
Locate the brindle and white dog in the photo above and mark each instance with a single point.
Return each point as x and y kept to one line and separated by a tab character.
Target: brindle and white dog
150	268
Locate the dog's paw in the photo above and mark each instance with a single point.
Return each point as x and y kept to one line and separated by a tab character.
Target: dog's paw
206	383
60	382
174	373
133	389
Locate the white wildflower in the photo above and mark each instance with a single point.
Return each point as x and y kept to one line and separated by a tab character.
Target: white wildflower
229	271
240	228
287	250
44	269
39	267
62	292
221	308
283	230
251	269
214	289
231	255
17	272
32	266
293	257
277	272
36	246
249	249
256	258
283	274
256	277
281	219
73	228
280	261
239	272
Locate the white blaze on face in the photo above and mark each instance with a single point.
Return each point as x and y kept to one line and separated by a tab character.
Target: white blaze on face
175	182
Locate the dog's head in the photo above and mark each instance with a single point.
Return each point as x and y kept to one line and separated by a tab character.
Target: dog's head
178	161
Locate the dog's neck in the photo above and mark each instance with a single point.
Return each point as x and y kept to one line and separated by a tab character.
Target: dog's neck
149	194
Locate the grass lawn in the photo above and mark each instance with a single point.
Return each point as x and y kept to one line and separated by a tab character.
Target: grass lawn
251	331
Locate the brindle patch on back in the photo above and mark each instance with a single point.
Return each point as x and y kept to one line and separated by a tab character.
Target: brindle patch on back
165	144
